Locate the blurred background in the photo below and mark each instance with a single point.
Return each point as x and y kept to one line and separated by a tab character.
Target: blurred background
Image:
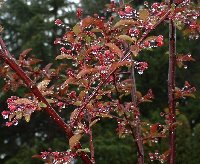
30	24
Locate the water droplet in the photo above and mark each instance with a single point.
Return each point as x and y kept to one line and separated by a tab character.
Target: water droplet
16	123
140	72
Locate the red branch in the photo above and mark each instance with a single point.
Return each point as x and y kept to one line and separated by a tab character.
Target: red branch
137	129
171	89
91	141
133	132
5	55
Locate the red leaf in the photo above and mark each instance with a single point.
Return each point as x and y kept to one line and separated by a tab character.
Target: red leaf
74	140
115	49
24	53
153	128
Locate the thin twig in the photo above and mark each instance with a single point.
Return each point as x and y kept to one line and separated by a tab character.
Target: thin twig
133	132
91	141
137	129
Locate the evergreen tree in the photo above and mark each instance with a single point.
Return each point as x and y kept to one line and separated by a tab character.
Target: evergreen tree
30	24
195	158
183	140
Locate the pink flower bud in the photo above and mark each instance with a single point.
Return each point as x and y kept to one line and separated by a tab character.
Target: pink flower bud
60	104
57	41
8	124
128	9
12	107
146	43
58	22
63	50
5	114
79	12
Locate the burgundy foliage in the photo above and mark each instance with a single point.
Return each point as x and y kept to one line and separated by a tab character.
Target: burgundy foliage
96	77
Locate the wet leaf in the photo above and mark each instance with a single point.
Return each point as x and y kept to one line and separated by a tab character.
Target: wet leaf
87	150
116	65
125	23
43	85
64	56
77	103
42	105
153	128
33	61
90	107
11	116
27	118
86	71
183	58
98	97
77	29
86	22
189	95
82	95
70	80
24	53
96	30
128	38
139	95
73	114
144	14
115	49
121	109
99	23
104	115
69	36
94	122
135	50
74	140
1	28
19	115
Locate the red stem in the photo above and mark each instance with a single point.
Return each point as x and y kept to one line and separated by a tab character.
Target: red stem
91	142
137	129
128	120
5	55
171	89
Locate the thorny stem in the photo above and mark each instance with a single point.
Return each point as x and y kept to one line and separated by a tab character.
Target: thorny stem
171	89
137	129
5	55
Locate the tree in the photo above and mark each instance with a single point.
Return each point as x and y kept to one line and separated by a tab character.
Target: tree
29	23
183	144
195	144
102	50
